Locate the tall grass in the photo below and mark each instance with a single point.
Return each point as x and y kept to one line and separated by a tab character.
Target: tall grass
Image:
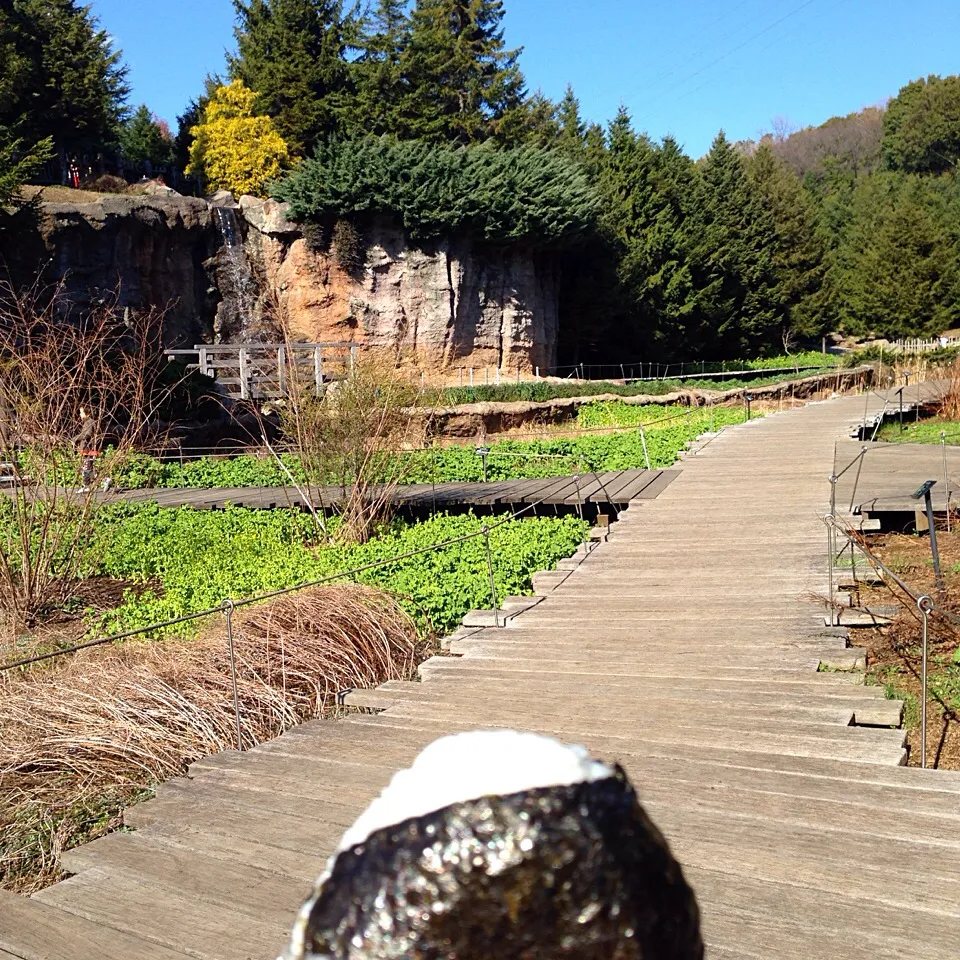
77	741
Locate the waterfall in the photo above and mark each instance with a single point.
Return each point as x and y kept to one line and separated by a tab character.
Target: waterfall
242	284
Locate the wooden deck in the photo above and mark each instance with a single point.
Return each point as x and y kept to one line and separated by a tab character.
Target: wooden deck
617	487
877	477
681	648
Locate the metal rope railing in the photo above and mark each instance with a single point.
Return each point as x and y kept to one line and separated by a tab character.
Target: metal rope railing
924	603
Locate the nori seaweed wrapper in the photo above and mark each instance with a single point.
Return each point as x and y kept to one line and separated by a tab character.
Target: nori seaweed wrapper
576	871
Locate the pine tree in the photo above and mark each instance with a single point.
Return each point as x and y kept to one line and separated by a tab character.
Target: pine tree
894	271
797	252
293	55
142	140
647	188
533	123
732	259
573	131
459	80
62	78
378	69
234	148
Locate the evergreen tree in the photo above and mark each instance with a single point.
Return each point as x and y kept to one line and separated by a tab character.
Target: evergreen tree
460	82
921	127
732	260
539	197
234	148
19	161
533	123
142	139
647	189
378	69
293	55
573	131
61	77
796	253
894	271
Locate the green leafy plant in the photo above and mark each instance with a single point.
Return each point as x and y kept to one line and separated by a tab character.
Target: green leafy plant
193	559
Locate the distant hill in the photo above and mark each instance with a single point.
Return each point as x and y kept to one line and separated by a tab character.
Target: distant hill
848	144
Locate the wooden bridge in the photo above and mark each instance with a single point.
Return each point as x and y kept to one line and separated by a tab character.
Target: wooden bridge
682	648
265	371
607	488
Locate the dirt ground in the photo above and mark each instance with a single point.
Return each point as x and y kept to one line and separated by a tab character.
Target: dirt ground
894	652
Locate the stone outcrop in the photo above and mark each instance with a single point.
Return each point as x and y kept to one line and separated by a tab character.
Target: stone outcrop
454	304
147	251
228	270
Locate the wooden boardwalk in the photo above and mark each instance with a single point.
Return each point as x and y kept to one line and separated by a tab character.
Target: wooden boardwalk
682	648
616	487
877	478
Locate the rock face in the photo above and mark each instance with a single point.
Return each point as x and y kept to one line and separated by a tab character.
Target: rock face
456	304
231	271
157	251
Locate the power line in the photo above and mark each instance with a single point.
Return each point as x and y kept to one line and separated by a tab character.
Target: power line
693	58
740	46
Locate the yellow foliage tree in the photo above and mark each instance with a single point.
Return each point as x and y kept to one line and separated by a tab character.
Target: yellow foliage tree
233	148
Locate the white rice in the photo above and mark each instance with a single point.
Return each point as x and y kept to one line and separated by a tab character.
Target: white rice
468	766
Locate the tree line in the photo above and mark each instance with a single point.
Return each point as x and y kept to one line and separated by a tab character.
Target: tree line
418	109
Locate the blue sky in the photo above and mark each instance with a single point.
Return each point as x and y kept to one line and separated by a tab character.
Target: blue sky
682	67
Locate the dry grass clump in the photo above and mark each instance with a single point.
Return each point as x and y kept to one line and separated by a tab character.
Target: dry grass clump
950	400
113	720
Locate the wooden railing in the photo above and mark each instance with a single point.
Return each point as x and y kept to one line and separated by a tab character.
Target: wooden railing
263	371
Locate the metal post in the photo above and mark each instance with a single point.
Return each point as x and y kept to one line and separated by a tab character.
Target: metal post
493	585
856	480
900	391
471	376
643	441
935	553
353	356
833	494
946	478
831	544
925	605
576	480
228	606
483	453
282	369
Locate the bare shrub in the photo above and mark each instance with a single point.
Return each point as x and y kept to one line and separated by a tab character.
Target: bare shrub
116	719
950	398
53	364
351	435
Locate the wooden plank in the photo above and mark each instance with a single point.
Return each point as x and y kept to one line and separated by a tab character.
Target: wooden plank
660	484
162	916
552	490
31	930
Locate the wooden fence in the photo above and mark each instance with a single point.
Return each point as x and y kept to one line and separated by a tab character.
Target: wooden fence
264	371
